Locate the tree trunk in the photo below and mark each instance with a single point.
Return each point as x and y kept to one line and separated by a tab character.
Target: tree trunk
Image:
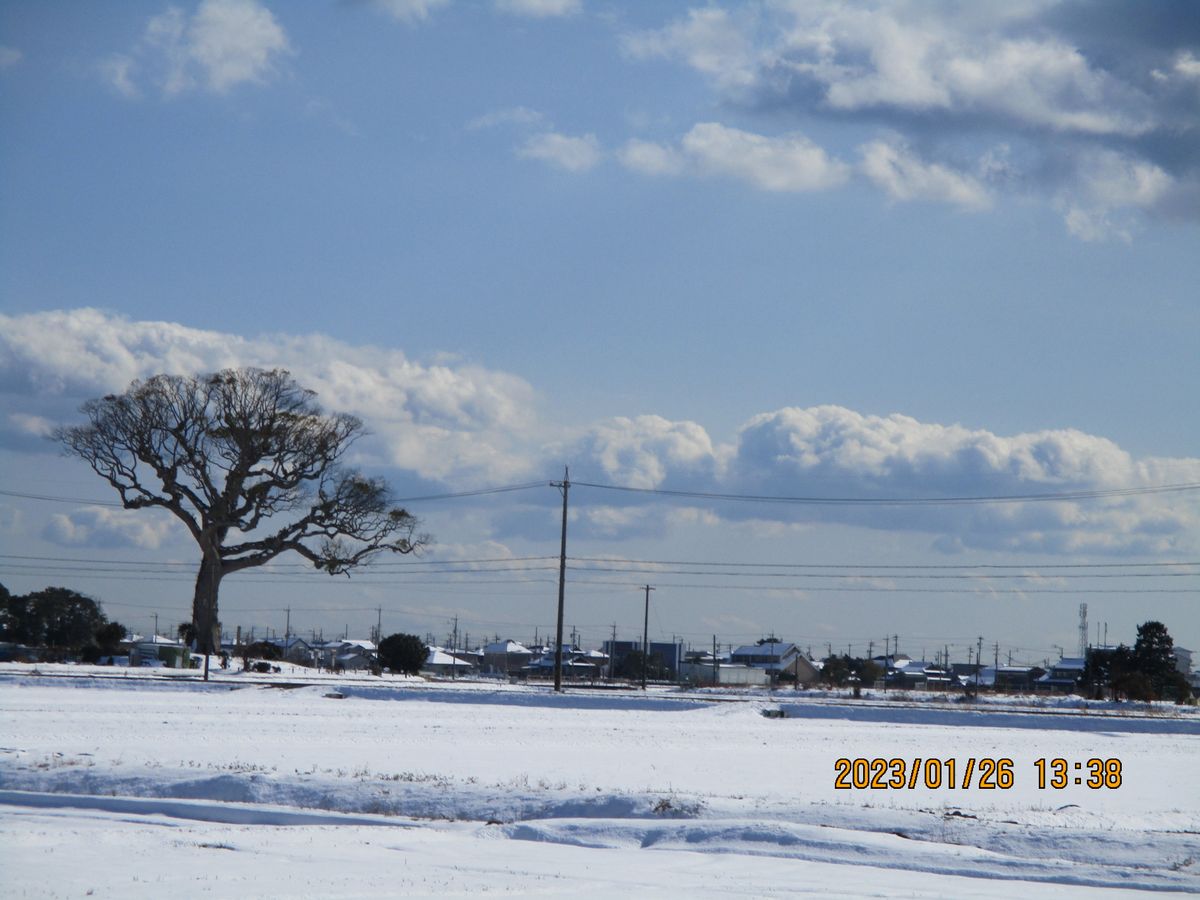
204	604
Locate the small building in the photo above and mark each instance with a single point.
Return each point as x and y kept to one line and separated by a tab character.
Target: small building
157	650
295	650
703	669
1064	675
780	659
669	655
506	657
918	674
1183	660
441	664
1018	678
575	667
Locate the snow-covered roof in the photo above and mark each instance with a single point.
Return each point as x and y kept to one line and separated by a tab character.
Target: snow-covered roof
1070	662
770	648
439	657
506	647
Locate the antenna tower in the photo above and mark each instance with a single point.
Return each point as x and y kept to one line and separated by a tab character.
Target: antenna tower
1083	633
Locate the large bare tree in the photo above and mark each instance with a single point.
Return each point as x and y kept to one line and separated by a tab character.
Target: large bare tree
248	461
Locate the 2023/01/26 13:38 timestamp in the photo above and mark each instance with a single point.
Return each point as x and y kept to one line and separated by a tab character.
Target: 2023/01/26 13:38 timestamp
982	773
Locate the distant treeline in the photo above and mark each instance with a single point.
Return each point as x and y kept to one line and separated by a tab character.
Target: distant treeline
60	623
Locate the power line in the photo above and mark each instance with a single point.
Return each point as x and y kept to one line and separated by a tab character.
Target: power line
772	565
428	498
901	501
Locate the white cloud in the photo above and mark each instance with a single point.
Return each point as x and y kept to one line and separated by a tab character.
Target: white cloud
540	9
832	452
948	77
650	158
436	420
96	526
1108	188
9	57
906	58
786	163
640	451
1187	65
118	70
409	11
894	168
710	40
574	154
234	41
513	115
466	426
223	44
35	426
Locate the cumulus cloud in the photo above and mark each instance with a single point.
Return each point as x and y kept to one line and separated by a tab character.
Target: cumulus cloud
433	419
409	12
787	163
1059	83
894	168
650	158
574	154
101	527
640	451
1106	188
710	40
790	162
465	426
832	453
223	44
540	9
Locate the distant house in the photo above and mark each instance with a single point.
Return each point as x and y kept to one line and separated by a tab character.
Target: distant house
295	650
1183	660
1064	675
777	658
1018	678
918	674
439	663
703	668
670	655
574	666
506	657
157	650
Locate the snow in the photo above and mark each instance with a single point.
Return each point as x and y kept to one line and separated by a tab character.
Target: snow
152	783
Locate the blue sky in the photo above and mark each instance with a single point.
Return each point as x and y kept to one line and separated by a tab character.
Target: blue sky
868	250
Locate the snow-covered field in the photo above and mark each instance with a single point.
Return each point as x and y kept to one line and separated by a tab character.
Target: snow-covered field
120	786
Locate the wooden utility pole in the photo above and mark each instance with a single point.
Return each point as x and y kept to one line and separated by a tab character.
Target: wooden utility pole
646	638
564	486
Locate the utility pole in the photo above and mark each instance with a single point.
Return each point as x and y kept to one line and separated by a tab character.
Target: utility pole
156	624
565	487
978	661
378	626
612	651
287	630
885	662
454	651
646	638
716	664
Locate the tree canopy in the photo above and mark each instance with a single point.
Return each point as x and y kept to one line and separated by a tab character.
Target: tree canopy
59	619
250	464
403	653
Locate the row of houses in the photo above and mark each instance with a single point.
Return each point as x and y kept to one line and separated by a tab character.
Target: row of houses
766	662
